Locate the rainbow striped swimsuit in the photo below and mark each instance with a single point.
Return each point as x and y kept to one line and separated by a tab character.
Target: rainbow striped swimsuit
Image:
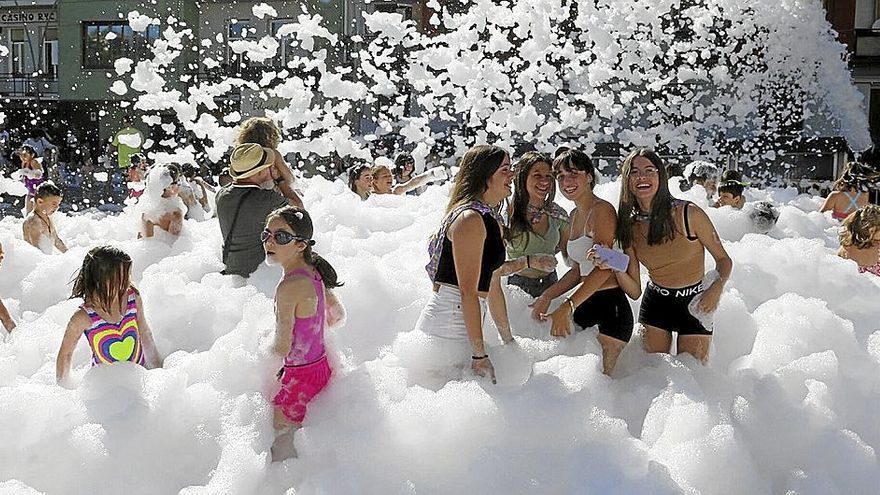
115	342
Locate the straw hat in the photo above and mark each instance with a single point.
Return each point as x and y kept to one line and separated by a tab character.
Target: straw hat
249	159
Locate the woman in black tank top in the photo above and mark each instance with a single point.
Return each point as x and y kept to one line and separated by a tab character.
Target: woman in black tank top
467	254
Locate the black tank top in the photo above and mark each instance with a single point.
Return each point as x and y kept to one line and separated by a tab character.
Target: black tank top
493	257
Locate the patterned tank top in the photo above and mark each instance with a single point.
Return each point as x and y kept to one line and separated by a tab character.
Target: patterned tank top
112	342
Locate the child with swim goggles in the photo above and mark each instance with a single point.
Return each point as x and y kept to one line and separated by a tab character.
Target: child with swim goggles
111	317
304	306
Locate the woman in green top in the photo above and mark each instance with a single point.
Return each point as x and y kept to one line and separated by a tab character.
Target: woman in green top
538	228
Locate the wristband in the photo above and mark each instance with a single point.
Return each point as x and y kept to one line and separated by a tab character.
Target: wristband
477	358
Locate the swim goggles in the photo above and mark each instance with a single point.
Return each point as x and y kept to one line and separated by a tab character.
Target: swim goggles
282	237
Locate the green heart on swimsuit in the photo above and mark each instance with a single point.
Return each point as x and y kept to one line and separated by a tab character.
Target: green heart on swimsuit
122	350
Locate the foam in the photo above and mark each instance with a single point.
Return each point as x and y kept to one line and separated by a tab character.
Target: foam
787	401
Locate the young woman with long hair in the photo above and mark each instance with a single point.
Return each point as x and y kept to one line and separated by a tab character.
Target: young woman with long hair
860	239
600	298
669	236
849	193
360	180
466	254
537	228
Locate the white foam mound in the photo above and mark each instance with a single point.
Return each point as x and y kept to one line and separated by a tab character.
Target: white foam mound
787	404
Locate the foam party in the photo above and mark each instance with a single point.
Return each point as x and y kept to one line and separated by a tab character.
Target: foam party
572	259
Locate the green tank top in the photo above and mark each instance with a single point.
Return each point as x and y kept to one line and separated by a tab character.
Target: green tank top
536	244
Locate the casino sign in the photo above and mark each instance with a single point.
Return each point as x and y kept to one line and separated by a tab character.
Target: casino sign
22	17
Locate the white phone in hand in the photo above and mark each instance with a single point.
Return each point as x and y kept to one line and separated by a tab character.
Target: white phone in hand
615	260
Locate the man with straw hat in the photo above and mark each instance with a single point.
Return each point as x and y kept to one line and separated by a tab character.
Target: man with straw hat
243	205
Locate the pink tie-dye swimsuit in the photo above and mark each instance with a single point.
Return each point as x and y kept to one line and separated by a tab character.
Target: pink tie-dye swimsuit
307	344
306	371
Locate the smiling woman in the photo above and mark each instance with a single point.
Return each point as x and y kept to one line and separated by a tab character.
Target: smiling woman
669	236
466	254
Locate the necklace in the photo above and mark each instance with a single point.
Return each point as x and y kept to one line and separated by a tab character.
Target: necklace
535	213
641	217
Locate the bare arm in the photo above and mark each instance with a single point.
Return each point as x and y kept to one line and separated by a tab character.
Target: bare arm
708	236
828	205
467	234
414	183
604	226
6	318
285	181
498	308
31	232
176	224
149	227
75	327
286	298
564	236
153	359
334	311
59	244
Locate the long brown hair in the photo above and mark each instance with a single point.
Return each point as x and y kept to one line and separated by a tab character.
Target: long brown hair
354	174
259	130
519	222
860	226
477	165
662	225
104	278
300	223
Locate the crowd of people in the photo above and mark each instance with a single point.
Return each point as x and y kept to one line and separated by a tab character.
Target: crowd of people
502	225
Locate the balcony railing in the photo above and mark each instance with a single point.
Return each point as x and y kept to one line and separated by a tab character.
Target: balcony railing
20	86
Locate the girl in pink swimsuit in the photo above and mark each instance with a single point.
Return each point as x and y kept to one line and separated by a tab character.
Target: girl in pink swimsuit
860	239
304	306
111	317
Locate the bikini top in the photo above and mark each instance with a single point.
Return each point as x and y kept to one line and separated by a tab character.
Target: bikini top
112	342
872	269
307	340
853	206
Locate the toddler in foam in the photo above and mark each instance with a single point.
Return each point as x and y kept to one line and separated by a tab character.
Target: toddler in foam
111	317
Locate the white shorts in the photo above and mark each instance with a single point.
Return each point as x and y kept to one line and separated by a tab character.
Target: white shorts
442	317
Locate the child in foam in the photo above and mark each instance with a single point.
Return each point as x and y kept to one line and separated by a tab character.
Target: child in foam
194	194
38	228
304	307
160	205
860	239
730	193
383	180
111	317
5	318
31	173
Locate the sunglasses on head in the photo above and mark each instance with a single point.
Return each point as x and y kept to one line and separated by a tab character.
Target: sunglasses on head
282	237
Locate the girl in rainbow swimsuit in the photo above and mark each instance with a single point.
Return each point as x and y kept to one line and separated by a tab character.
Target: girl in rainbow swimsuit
111	317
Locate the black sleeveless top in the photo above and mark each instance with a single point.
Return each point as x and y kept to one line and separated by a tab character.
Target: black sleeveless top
493	256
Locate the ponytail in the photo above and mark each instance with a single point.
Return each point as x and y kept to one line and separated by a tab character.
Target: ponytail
327	272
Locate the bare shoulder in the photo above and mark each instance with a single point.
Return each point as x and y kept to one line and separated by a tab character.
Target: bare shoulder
79	321
469	222
294	287
605	208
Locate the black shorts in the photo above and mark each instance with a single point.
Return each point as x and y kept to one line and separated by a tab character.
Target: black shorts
667	309
610	310
533	286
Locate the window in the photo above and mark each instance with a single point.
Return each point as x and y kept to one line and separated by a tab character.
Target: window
104	42
50	53
18	47
289	49
238	30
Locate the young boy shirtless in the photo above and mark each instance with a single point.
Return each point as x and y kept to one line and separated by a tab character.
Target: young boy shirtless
38	228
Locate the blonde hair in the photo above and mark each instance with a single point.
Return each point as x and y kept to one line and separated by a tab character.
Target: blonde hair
259	130
860	226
